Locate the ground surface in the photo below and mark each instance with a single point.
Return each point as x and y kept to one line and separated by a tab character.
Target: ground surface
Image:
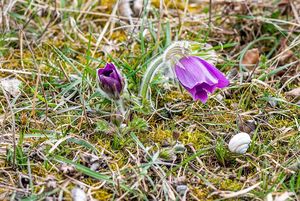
59	133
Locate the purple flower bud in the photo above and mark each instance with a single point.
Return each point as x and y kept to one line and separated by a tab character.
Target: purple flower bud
199	77
110	81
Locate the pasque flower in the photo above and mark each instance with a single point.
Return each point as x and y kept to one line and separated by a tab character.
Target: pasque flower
111	81
199	77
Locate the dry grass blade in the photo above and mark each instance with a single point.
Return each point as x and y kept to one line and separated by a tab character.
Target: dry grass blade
228	195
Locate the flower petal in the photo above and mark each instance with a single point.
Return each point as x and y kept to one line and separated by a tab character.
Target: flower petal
200	91
191	71
115	75
110	83
199	77
199	94
109	68
207	87
222	80
202	96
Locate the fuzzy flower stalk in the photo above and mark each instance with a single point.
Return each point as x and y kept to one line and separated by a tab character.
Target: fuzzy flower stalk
198	76
112	84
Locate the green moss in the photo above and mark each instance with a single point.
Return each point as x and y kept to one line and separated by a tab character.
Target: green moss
89	181
2	164
201	193
176	95
226	184
67	194
101	194
279	123
133	57
108	3
103	143
197	138
120	160
39	170
160	135
230	185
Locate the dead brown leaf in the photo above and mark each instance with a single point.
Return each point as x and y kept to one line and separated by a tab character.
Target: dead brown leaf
294	92
247	126
285	53
285	56
283	2
284	6
251	58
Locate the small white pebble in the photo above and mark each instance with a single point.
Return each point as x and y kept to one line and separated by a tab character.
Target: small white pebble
181	189
123	125
95	166
78	194
219	97
11	86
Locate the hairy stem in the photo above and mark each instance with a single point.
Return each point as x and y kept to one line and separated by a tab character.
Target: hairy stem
151	70
120	107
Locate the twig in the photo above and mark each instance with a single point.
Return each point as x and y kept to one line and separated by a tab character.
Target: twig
105	28
181	19
13	126
295	11
209	19
17	72
159	26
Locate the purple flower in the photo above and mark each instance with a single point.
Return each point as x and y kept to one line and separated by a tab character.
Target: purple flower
199	77
110	81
